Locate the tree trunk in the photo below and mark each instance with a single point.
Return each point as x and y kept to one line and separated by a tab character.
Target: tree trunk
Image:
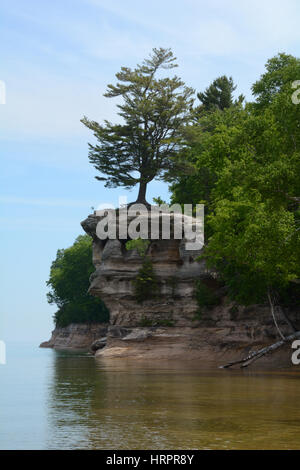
273	315
141	199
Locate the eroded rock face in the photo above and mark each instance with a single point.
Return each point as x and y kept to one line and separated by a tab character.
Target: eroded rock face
76	336
175	267
98	344
203	346
165	327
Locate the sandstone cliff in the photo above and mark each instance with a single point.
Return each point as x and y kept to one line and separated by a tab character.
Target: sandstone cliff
175	267
75	336
141	331
167	326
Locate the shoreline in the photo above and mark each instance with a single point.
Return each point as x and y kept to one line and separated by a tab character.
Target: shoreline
209	347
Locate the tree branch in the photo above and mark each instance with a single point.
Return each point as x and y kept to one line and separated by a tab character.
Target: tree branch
262	352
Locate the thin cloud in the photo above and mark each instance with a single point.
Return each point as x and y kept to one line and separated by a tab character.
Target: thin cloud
68	60
45	202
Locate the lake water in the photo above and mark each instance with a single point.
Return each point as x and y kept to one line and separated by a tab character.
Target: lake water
63	400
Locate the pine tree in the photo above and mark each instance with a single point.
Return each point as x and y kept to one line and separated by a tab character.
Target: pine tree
219	95
154	111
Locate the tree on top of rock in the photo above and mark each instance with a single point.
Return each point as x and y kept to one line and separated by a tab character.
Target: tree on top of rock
148	143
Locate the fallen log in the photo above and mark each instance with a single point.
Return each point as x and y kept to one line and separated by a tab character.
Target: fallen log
262	352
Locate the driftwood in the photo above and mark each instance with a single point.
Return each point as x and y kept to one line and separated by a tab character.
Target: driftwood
262	352
273	347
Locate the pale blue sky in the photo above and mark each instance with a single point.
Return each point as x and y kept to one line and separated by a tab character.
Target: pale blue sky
56	58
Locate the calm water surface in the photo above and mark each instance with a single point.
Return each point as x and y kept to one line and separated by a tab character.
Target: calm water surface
63	400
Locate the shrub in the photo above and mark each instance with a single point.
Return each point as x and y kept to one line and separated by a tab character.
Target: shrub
69	283
89	310
205	296
146	322
146	285
139	244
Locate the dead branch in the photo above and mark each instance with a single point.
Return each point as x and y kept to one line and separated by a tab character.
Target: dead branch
262	352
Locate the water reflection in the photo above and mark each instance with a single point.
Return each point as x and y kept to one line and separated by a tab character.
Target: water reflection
128	405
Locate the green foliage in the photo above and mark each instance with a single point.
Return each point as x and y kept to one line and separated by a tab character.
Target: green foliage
86	310
251	246
208	140
69	283
154	112
146	284
251	156
145	321
289	297
205	296
219	95
159	201
281	71
139	244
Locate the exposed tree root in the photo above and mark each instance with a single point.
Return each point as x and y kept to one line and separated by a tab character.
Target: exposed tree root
273	316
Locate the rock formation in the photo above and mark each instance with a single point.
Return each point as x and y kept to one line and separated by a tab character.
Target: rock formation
175	267
167	326
75	336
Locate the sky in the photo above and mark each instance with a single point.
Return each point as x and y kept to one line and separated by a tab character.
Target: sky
56	59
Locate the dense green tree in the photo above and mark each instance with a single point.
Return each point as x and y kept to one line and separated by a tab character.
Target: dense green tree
254	247
154	112
253	220
146	284
281	71
207	147
219	95
69	283
196	185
